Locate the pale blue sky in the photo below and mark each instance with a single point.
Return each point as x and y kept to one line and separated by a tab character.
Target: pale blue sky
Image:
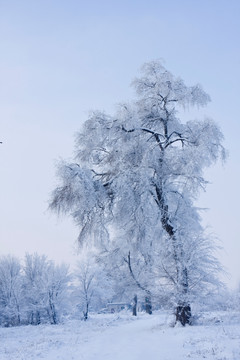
59	59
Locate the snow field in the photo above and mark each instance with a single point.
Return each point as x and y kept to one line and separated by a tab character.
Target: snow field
123	337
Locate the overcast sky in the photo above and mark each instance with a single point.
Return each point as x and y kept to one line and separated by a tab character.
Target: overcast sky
60	59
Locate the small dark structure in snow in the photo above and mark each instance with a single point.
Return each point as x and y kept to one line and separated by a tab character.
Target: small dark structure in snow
116	307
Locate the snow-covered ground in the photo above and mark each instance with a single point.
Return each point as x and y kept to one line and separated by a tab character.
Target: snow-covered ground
123	337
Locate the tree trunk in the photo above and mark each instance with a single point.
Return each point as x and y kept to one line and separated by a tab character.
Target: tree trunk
53	315
85	313
148	305
134	309
38	318
18	315
183	313
183	309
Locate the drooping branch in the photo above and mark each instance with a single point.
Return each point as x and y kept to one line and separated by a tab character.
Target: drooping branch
128	261
168	275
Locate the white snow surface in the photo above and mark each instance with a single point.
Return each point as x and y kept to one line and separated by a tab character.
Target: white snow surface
123	337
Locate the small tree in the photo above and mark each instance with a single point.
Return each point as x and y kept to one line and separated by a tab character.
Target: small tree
92	284
45	287
85	276
11	293
57	291
35	269
137	175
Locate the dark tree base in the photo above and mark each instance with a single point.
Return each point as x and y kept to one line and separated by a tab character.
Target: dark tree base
85	316
148	305
134	309
183	314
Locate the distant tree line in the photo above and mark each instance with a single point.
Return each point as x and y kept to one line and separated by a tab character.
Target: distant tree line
37	291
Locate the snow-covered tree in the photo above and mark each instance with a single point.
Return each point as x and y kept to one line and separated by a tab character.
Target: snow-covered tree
57	291
85	276
35	268
92	286
11	294
135	178
45	286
